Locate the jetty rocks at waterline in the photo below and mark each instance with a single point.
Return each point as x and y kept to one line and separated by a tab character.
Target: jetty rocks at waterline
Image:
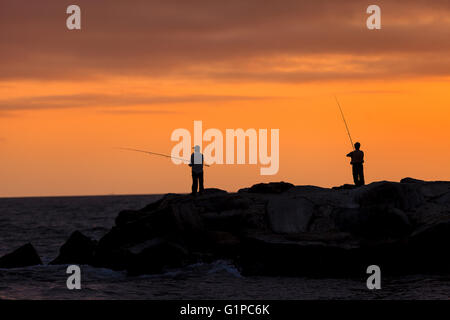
24	256
281	229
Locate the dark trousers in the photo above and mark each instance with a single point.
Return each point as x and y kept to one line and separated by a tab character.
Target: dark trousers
358	174
197	180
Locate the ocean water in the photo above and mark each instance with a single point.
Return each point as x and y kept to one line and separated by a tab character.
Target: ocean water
48	222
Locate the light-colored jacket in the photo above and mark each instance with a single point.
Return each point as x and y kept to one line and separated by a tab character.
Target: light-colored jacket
196	162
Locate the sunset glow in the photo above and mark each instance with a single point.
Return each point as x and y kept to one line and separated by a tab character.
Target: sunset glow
135	73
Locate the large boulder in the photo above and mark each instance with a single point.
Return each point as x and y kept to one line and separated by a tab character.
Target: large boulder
271	187
443	199
78	249
389	194
24	256
430	246
155	256
278	256
175	218
373	222
411	180
290	215
127	216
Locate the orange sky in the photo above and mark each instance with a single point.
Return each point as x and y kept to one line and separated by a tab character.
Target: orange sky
133	74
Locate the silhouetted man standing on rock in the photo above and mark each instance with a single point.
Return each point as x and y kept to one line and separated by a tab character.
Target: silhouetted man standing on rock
357	157
197	170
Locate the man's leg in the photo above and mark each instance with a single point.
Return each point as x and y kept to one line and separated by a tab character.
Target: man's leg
194	183
361	175
355	174
200	178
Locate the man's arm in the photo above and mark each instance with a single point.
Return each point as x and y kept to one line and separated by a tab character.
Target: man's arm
349	154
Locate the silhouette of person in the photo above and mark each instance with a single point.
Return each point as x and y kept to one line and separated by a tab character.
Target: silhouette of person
357	161
197	170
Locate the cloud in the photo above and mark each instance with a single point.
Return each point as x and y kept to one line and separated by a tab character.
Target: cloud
110	101
6	114
138	111
183	38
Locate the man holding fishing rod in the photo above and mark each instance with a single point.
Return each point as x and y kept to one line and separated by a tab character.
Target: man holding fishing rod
356	155
197	171
196	163
357	161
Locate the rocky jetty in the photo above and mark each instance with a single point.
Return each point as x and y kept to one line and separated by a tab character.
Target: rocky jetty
282	229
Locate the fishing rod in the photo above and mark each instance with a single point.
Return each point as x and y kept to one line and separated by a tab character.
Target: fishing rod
159	154
345	122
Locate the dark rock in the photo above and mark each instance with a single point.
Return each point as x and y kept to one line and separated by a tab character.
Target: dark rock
212	191
272	187
430	247
22	257
115	258
278	256
223	244
373	222
155	256
78	249
127	216
176	219
345	187
391	194
434	190
444	199
222	238
290	215
411	180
